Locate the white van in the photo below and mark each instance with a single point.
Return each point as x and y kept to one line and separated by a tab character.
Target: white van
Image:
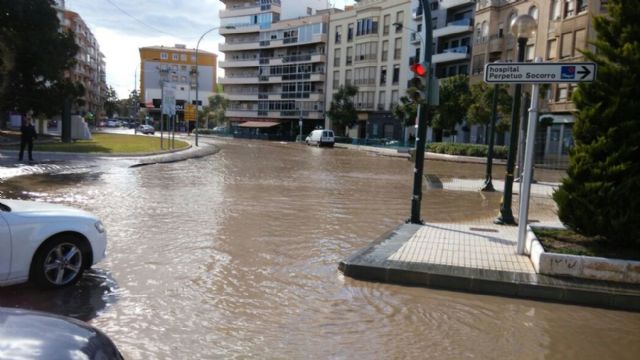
321	138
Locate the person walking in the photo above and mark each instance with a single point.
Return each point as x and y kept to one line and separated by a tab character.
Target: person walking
28	133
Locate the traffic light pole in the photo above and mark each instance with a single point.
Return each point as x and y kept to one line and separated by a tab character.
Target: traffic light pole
423	113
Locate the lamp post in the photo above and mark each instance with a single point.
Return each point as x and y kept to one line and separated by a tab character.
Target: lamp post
523	27
195	126
488	185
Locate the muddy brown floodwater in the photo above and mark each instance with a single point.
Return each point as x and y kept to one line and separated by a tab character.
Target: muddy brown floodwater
236	256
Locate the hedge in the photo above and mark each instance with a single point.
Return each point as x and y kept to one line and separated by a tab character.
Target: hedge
478	150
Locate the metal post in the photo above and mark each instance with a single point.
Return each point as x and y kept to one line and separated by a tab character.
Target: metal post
506	215
161	115
528	168
300	122
488	185
423	114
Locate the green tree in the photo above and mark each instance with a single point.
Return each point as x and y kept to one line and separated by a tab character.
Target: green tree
111	102
215	112
454	99
342	111
35	59
601	194
479	110
406	109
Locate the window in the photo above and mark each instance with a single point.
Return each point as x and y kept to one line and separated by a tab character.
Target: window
193	58
350	55
381	100
529	53
367	26
501	30
383	75
581	40
563	92
164	56
394	97
533	11
582	6
463	69
338	34
336	58
551	49
568	8
397	51
348	79
567	45
512	17
175	57
366	51
385	51
183	57
336	79
555	9
396	74
399	20
478	33
385	24
309	11
350	32
485	31
365	76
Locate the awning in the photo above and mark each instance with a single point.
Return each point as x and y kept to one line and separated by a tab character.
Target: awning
258	124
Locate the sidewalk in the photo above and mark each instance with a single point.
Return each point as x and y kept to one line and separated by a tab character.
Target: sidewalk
479	258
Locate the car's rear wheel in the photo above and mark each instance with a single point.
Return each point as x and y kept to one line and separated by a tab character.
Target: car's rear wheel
59	262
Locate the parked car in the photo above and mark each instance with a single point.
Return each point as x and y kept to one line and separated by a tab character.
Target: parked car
26	334
321	138
112	123
145	129
48	244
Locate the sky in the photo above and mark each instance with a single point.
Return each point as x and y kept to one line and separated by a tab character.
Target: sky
121	27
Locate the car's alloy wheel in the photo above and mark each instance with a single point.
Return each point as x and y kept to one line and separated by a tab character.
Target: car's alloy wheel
60	262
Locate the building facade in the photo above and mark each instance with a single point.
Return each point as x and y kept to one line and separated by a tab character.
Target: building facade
90	68
368	48
564	28
274	66
175	67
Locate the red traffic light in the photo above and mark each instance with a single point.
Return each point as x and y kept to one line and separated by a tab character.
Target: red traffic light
419	69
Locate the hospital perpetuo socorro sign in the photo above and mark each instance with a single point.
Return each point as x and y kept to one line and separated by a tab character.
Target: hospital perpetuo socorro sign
539	73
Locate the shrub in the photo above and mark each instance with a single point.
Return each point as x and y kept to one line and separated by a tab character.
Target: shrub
477	150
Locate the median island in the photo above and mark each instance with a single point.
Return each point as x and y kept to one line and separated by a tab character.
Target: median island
120	144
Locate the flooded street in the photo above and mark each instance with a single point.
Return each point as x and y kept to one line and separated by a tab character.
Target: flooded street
236	255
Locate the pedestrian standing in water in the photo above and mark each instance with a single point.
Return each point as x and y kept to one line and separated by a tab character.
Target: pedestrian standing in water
28	133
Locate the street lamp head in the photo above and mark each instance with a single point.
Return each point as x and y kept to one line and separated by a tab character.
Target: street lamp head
397	25
524	26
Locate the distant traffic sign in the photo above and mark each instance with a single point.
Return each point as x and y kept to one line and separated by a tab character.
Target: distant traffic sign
539	73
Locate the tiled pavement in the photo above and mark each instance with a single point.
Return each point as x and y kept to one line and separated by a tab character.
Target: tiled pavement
490	247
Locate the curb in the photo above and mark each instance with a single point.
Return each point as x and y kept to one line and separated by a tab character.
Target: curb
579	266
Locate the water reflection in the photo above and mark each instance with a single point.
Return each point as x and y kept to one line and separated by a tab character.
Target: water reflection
92	294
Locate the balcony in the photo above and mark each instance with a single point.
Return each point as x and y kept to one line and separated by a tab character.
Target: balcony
249	44
454	3
238	63
239	29
241	113
241	96
247	9
454	27
453	54
233	80
496	43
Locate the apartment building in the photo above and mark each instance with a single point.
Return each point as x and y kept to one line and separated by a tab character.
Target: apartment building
367	50
275	65
564	28
175	67
90	68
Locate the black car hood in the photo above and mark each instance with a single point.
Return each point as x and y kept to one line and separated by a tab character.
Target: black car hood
26	334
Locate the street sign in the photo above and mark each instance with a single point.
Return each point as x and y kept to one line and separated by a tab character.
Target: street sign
169	99
190	112
539	73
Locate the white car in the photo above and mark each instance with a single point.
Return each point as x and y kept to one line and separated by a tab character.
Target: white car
48	244
145	129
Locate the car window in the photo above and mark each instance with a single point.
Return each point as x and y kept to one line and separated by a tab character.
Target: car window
4	208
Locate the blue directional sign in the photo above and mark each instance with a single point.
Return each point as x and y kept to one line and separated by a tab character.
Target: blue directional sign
539	73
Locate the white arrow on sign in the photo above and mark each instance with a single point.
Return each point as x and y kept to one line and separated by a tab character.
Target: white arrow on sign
539	73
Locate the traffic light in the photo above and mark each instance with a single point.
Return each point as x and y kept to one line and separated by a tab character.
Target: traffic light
419	69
